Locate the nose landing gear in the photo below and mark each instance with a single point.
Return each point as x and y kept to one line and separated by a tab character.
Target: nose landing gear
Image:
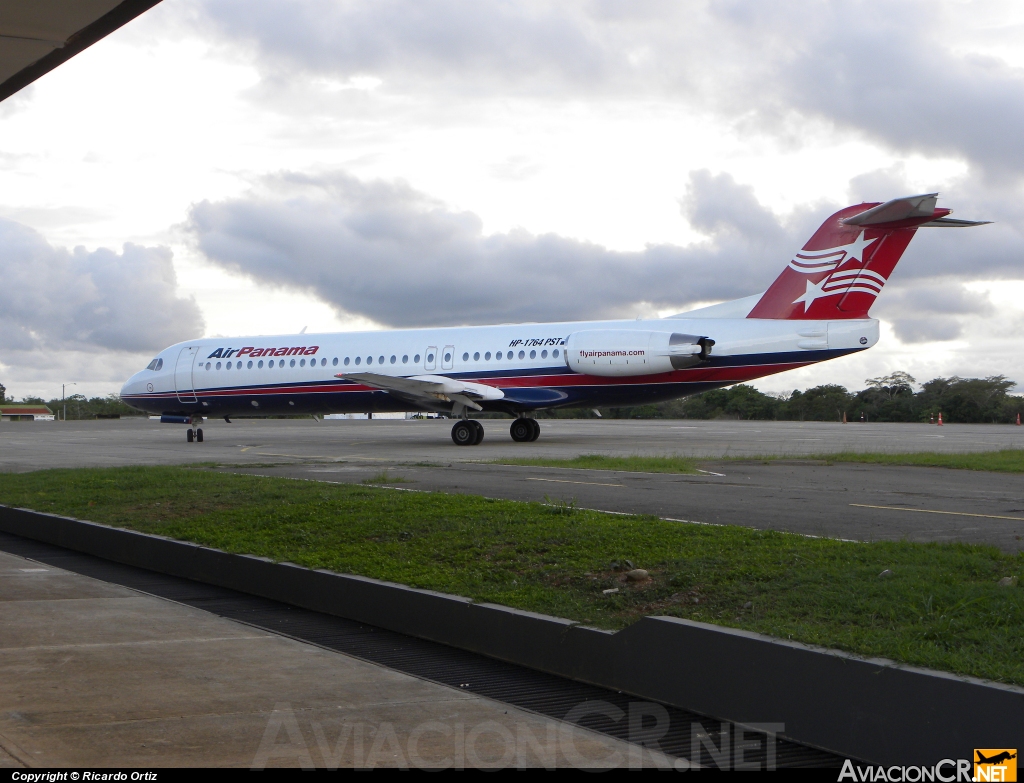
194	433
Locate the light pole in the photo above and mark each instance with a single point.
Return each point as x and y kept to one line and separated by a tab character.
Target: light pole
63	404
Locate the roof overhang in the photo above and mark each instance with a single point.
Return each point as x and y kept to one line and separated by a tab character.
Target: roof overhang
37	36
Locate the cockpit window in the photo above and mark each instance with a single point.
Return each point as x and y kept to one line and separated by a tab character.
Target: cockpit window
155	365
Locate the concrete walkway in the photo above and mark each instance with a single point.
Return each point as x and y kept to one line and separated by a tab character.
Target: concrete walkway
97	675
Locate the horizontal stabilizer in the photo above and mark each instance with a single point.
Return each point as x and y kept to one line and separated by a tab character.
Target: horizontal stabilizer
948	222
908	208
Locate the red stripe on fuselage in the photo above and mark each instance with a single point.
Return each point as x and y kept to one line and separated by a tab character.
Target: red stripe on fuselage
722	375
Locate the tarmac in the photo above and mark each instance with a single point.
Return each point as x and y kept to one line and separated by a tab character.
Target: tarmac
862	502
141	441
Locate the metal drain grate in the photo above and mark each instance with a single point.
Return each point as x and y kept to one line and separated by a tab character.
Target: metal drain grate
542	693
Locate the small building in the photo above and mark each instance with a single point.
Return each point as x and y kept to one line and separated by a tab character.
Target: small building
25	413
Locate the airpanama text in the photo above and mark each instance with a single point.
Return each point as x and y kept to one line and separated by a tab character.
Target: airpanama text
227	353
600	354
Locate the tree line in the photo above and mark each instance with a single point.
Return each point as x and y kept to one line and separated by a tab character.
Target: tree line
887	398
79	406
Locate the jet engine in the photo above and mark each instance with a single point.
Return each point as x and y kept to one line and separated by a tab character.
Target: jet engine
619	352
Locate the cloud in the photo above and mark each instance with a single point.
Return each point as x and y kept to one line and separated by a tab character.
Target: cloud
931	311
896	72
885	69
394	255
387	252
55	300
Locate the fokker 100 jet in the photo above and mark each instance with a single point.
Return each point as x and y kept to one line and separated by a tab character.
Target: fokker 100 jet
816	310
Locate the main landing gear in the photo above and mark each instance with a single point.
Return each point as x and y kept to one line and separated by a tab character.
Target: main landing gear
467	432
524	430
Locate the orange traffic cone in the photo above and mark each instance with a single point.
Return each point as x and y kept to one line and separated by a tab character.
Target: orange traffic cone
1018	419
940	418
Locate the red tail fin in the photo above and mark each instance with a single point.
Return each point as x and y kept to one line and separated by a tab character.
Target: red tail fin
843	267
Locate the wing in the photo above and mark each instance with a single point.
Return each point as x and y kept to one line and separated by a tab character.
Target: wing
428	389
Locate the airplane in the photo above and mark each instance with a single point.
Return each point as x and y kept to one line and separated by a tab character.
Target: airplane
996	759
816	310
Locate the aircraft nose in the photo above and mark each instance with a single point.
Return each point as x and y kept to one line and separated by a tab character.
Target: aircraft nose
131	386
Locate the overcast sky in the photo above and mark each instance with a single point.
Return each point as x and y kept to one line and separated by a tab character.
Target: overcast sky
227	167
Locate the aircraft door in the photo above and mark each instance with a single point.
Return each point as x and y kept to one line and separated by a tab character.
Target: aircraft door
448	357
183	385
430	358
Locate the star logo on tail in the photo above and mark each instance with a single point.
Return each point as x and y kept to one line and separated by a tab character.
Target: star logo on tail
855	249
814	291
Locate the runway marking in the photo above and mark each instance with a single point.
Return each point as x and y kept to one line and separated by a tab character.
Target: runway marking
932	511
710	472
565	481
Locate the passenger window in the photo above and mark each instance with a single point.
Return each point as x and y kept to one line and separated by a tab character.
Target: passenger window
359	359
248	365
323	362
259	364
238	366
302	362
497	355
227	366
522	354
487	356
405	358
416	358
447	357
533	355
218	365
207	365
346	361
555	353
430	357
543	354
292	363
335	362
380	360
476	356
369	360
394	359
465	357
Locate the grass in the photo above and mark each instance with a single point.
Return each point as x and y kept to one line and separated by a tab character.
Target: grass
671	464
941	608
1005	461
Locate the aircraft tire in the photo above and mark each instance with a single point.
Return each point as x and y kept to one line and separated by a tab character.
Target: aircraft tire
199	436
463	433
188	435
521	431
535	429
479	428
